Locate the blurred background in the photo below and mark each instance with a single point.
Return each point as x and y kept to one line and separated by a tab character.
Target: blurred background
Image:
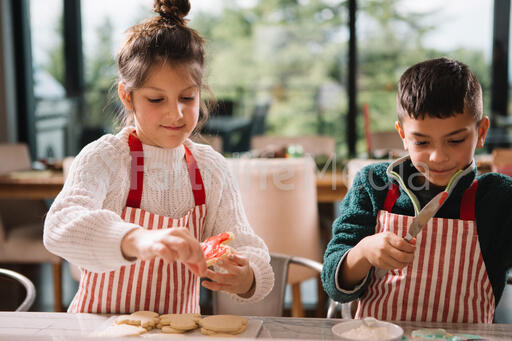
278	68
318	62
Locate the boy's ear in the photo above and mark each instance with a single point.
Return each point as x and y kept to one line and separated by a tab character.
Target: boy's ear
482	129
124	96
400	131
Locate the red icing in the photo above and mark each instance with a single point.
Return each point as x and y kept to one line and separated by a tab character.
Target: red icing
213	247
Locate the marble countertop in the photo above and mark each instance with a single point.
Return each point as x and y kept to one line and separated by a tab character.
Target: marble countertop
63	326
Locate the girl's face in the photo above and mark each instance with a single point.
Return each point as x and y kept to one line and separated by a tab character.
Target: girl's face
440	147
166	107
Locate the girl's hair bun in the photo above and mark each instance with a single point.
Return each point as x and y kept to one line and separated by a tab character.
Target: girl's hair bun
172	11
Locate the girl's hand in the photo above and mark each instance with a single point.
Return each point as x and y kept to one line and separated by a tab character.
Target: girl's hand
175	244
387	250
238	277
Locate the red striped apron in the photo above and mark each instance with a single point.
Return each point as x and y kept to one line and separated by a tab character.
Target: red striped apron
153	285
447	281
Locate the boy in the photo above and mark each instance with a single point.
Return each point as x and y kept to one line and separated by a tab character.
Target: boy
455	268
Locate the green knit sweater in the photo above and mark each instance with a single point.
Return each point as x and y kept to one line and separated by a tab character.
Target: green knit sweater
359	210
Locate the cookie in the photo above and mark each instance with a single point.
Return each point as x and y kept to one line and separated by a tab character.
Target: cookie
124	319
229	324
208	332
161	335
121	330
181	322
171	330
144	319
164	319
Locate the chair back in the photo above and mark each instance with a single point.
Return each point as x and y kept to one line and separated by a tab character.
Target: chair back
271	305
257	126
312	145
279	198
17	212
502	161
15	157
386	143
214	141
27	284
259	118
355	165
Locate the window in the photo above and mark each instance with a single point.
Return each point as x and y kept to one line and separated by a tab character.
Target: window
394	35
53	111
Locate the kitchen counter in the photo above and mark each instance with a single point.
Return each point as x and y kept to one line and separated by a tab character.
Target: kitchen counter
63	326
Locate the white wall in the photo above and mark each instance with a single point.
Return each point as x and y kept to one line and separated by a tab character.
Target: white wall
8	123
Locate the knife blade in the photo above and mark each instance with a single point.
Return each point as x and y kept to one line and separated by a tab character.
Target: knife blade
425	214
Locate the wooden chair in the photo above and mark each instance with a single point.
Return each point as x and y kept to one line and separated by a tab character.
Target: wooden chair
279	197
21	223
312	145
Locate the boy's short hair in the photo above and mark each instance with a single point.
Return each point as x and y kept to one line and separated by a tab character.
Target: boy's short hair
439	88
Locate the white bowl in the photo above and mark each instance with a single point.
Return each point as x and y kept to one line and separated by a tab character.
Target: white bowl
394	331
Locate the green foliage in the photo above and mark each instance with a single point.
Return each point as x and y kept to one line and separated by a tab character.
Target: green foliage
289	52
100	74
55	64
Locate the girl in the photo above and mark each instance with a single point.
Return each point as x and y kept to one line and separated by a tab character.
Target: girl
135	205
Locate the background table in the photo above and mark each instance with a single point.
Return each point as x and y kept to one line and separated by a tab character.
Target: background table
330	186
61	326
31	186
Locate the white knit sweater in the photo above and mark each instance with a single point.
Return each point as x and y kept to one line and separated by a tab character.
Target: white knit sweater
84	223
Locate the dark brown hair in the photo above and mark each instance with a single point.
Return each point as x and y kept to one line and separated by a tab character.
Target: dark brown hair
439	88
165	38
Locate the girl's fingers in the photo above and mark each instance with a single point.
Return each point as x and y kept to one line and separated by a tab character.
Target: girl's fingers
239	260
188	249
215	286
195	269
219	277
228	265
162	251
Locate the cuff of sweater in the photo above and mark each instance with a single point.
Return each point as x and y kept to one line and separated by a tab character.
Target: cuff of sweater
264	281
337	279
107	251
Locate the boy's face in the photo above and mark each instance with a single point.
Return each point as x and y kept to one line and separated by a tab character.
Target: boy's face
439	147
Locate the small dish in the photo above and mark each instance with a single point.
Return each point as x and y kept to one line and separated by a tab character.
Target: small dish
395	332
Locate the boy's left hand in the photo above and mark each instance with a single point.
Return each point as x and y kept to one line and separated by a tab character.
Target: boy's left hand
237	279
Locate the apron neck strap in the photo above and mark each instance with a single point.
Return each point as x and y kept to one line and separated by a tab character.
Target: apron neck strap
195	178
137	174
136	171
391	197
467	205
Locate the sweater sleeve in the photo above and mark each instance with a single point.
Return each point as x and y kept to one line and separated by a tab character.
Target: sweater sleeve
494	225
358	218
76	227
230	216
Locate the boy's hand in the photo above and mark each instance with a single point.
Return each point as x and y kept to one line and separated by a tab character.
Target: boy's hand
387	250
238	277
175	244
